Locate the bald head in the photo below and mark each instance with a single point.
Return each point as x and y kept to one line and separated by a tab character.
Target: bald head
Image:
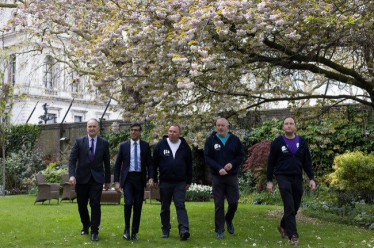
222	127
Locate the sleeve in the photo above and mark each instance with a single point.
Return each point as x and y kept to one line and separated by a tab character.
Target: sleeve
117	165
271	163
308	167
107	163
208	156
156	161
189	166
73	159
149	162
239	155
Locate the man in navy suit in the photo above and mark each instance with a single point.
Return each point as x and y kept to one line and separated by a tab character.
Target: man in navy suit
89	168
133	162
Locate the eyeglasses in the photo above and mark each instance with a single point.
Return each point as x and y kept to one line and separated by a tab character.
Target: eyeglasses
135	130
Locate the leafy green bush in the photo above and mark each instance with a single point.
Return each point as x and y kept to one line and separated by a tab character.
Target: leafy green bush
22	165
334	132
198	192
354	172
22	135
246	183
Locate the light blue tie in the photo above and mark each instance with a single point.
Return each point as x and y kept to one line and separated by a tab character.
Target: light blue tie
136	156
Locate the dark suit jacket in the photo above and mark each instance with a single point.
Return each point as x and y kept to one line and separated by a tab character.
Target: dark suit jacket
123	162
84	168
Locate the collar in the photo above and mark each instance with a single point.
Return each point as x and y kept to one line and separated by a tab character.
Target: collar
132	142
95	138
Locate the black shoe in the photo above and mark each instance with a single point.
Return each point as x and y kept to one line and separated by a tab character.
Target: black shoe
84	231
94	237
230	227
126	234
220	235
184	235
165	234
134	237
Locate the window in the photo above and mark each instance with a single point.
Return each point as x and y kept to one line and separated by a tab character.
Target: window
52	118
77	118
48	72
12	69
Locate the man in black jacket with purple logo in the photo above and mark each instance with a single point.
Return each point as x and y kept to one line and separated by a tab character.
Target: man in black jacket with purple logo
289	155
224	153
173	158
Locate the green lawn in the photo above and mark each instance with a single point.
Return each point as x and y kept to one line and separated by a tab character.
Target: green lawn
23	224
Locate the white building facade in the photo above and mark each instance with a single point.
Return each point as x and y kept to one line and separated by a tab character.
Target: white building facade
38	79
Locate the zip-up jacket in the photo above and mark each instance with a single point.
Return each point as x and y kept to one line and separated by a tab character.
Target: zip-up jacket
172	169
218	155
283	162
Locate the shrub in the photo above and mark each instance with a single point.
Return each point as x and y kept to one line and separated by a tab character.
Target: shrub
22	165
257	162
198	192
354	173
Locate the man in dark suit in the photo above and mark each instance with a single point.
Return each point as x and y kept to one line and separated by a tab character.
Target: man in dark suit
132	164
89	168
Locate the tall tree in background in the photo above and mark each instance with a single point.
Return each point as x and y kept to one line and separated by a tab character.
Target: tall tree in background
6	93
162	60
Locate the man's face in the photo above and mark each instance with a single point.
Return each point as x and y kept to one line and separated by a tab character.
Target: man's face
289	126
92	128
174	134
135	133
222	127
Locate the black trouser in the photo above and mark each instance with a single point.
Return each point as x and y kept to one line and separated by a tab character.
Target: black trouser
225	186
291	190
133	192
177	192
89	191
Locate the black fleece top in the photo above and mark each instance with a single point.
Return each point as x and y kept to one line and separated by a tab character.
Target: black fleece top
283	162
218	155
172	169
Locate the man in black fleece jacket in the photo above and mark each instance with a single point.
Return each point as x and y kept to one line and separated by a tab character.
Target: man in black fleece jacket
224	153
289	155
173	158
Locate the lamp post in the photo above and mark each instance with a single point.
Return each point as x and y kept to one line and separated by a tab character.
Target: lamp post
46	116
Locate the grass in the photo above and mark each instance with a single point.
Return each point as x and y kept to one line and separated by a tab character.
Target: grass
23	224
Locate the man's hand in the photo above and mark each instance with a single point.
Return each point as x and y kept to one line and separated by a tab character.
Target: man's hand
312	185
150	182
270	187
106	186
228	167
117	187
72	181
222	172
187	186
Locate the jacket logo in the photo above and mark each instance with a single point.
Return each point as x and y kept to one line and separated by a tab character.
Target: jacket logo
297	145
284	149
166	152
217	146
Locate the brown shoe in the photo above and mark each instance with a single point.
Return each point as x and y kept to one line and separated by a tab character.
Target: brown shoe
294	240
283	232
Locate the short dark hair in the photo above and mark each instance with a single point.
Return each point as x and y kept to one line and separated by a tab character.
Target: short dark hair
289	117
176	125
136	125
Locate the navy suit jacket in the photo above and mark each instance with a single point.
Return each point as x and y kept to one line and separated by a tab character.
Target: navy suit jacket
122	165
82	168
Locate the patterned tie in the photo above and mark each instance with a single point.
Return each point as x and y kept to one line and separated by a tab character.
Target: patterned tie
92	150
136	156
